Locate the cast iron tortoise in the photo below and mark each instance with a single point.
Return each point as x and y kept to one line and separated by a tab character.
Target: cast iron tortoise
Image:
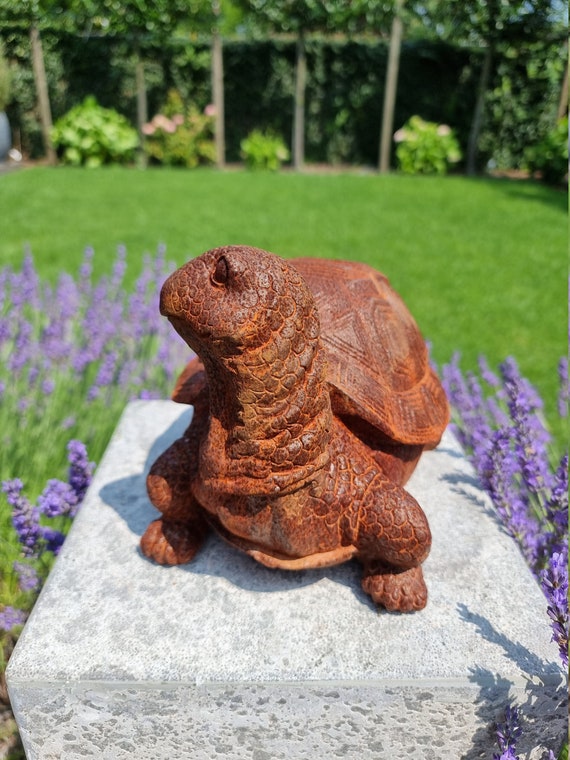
313	401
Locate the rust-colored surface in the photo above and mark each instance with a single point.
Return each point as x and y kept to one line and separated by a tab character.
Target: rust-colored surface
313	401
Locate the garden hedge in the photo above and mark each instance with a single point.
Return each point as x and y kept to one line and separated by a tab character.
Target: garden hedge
345	87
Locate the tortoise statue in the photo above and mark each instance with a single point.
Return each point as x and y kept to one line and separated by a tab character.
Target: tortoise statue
313	401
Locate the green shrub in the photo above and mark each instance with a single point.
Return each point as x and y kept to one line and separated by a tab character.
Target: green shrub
550	155
264	150
180	136
425	147
4	80
90	135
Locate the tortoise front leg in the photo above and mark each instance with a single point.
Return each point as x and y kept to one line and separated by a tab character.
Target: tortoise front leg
175	538
393	539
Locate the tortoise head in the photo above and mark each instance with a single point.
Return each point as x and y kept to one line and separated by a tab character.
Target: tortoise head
234	299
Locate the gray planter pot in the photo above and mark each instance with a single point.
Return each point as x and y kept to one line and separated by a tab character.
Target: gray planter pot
5	136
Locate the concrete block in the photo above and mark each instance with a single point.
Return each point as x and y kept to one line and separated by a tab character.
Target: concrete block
225	658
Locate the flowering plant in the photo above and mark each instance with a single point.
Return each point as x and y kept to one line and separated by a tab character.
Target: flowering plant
425	147
58	499
179	136
71	353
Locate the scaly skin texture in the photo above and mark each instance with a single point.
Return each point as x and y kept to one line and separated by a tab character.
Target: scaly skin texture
279	459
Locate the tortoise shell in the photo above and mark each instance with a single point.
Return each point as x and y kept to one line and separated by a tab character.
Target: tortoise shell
380	380
377	358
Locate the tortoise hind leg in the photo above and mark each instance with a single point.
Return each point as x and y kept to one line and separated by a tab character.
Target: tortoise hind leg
392	541
395	589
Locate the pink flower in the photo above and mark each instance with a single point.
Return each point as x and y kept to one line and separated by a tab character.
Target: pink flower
400	135
178	119
443	130
160	121
210	110
149	129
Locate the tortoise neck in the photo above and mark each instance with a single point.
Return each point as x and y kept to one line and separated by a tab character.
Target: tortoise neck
270	418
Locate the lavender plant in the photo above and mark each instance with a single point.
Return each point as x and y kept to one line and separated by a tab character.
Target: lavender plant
498	419
70	352
40	529
508	733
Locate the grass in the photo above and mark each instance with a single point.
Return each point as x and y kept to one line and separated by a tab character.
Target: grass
481	263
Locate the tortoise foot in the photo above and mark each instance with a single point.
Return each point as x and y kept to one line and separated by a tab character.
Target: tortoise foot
171	543
396	590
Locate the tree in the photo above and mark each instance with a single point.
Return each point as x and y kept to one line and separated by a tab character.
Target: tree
299	17
498	27
391	88
34	15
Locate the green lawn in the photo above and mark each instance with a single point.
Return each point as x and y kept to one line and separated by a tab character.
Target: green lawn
481	263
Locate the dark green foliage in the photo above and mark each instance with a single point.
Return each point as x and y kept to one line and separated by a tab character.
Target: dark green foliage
550	155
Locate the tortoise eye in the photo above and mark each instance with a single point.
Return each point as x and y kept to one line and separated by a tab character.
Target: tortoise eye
221	272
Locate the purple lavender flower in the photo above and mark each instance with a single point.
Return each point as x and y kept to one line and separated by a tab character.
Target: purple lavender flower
554	581
85	271
499	468
24	285
487	374
48	387
105	375
23	405
138	313
22	351
80	469
25	517
11	618
473	429
28	579
529	432
57	499
53	539
557	507
504	433
508	733
119	269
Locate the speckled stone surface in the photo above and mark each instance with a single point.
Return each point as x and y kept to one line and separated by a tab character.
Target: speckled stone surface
224	658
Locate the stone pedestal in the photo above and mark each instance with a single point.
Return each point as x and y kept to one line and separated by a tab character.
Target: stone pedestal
225	658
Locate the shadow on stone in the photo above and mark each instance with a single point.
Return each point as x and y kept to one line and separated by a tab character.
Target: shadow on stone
544	684
468	487
527	661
